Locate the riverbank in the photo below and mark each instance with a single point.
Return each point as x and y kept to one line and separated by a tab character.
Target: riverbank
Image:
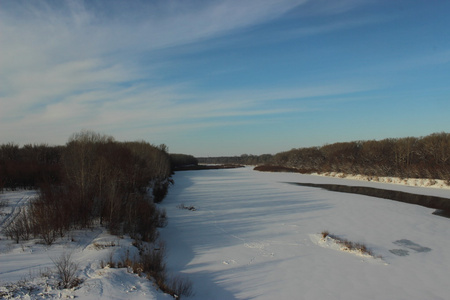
417	182
442	205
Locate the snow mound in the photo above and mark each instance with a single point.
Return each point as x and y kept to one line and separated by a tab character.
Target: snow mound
335	244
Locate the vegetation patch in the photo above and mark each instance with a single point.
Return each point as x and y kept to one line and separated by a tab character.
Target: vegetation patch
151	263
346	245
66	269
189	207
100	246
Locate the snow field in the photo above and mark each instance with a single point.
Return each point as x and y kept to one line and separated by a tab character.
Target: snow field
253	236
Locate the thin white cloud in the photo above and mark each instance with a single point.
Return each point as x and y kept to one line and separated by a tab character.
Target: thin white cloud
412	62
154	25
332	7
166	107
77	66
333	26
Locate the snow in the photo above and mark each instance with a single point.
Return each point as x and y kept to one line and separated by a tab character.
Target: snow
15	201
254	236
419	182
27	270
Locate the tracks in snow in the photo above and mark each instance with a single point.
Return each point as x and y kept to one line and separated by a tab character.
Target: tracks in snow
15	211
259	246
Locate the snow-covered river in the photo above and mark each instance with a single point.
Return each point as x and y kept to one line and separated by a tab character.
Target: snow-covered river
253	236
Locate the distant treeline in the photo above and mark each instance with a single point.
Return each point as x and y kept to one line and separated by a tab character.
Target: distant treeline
423	157
28	166
182	160
91	179
244	159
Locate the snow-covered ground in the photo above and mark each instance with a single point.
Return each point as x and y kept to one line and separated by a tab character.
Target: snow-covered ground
419	182
254	236
27	270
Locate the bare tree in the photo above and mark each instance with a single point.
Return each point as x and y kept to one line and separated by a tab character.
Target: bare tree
66	269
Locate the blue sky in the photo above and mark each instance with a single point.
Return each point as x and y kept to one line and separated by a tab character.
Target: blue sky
212	78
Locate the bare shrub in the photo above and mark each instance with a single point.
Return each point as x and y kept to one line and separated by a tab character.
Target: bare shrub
44	221
348	245
362	248
20	228
162	218
325	233
13	232
3	203
66	269
180	286
111	262
50	213
130	264
142	219
152	260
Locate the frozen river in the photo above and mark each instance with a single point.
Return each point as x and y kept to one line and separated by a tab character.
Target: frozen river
254	236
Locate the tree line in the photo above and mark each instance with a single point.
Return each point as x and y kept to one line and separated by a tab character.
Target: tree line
182	160
415	157
93	178
26	167
244	159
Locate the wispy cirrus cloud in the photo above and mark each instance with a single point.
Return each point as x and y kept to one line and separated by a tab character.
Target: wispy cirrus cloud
332	7
416	61
68	65
333	26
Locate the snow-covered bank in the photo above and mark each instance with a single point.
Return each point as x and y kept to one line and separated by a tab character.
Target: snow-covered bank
27	270
250	238
419	182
